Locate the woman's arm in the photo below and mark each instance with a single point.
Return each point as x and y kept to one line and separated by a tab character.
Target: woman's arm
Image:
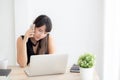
51	46
21	52
22	48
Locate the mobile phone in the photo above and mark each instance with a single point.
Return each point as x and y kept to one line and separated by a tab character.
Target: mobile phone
32	26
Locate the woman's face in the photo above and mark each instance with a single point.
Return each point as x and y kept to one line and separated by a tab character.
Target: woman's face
40	32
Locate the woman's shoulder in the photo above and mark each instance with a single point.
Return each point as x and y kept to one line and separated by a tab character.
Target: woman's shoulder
20	38
50	36
50	39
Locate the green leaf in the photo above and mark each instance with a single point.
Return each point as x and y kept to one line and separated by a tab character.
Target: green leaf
86	60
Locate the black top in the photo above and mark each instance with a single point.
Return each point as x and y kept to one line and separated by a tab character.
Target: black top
30	51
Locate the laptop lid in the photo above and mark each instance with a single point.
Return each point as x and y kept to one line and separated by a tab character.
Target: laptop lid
48	64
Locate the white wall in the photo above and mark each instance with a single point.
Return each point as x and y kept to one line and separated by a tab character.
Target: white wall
77	26
7	40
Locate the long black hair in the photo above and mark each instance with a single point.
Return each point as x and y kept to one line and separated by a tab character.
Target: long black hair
43	43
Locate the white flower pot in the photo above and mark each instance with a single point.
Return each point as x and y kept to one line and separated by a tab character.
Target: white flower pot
87	73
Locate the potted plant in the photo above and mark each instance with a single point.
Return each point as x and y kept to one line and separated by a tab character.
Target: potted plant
86	63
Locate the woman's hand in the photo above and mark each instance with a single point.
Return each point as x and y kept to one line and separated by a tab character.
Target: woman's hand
29	33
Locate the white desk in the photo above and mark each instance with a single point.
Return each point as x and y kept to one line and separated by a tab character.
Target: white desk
18	73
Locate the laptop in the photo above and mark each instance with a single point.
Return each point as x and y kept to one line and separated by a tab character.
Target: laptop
47	64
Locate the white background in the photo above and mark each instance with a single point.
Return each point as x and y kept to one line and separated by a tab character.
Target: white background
78	26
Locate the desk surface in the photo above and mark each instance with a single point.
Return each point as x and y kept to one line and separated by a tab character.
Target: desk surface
18	73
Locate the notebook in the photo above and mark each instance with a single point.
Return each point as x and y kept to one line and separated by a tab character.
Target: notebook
47	64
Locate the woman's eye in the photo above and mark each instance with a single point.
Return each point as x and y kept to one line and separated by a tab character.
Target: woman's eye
40	31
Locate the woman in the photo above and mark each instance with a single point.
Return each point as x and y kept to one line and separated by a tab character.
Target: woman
36	41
